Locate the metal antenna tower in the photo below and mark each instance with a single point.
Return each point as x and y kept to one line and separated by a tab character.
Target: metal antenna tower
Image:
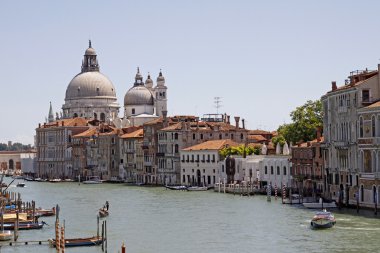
218	103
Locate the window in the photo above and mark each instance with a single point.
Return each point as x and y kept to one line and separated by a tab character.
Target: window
365	96
176	148
373	126
220	136
361	128
183	179
193	136
284	171
201	136
266	170
133	111
241	136
278	170
176	136
271	170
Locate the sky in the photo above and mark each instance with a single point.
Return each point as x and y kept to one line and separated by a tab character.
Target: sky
262	58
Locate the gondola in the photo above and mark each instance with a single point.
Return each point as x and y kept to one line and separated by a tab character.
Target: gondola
77	242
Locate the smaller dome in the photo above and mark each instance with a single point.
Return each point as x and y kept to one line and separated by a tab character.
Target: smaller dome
90	51
138	95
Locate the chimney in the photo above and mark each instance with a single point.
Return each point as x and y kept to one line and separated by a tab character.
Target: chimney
333	86
237	121
39	125
318	134
243	123
228	119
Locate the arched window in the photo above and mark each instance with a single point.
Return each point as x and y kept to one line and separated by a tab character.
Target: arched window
11	164
102	117
266	170
176	136
373	124
133	111
176	148
361	128
284	170
271	170
75	115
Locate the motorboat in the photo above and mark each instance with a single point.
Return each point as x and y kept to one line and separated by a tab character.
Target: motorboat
40	179
319	205
197	188
20	185
69	180
55	180
93	180
176	187
323	219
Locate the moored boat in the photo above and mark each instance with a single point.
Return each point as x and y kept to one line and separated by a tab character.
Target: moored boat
176	187
197	188
93	180
323	219
20	185
6	235
24	225
77	242
55	180
320	204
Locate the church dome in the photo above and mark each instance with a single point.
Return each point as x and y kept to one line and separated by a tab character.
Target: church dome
138	95
90	84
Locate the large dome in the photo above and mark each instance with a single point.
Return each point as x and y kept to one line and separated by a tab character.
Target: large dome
138	95
90	84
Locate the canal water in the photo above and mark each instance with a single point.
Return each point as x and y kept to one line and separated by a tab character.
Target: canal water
156	220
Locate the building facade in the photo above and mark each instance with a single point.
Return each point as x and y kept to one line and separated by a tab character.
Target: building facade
347	158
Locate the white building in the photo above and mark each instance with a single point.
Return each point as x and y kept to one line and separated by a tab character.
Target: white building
199	163
143	102
258	169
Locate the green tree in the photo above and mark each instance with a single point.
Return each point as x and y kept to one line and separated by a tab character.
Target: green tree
239	150
306	119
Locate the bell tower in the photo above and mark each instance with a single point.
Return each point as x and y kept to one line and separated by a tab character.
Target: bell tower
90	63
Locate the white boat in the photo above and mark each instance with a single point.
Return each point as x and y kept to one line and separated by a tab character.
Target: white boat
176	187
197	188
69	180
55	180
6	235
93	180
323	219
319	205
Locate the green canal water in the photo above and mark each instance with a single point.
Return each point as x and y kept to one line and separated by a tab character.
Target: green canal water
155	220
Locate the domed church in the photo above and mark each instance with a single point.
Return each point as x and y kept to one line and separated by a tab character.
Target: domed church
90	94
143	102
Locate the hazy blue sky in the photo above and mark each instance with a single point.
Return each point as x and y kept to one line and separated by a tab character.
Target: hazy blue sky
263	58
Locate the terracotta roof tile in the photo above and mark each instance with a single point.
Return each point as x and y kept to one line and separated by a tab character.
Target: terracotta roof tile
213	145
136	134
88	133
258	132
66	122
256	137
